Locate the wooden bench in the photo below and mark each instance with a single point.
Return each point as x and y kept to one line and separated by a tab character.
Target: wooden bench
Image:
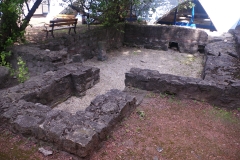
64	16
61	22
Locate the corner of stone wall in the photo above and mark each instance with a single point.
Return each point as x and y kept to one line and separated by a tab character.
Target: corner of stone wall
185	87
158	37
27	109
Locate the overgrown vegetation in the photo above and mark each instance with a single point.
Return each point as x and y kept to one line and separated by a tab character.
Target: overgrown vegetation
110	12
22	71
186	4
14	19
13	23
3	56
223	115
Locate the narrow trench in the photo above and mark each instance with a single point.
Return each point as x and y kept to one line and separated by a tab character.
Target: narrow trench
201	48
173	46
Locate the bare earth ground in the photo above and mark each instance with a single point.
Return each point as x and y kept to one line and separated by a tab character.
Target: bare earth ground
112	71
162	127
167	128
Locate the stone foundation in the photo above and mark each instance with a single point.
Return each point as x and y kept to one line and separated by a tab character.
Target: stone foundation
159	37
220	82
185	87
27	109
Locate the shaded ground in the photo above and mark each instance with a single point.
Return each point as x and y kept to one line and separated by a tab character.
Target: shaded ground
112	71
35	34
15	147
167	128
162	127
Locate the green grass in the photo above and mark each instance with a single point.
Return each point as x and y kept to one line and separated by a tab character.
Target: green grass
135	53
223	115
141	114
151	95
14	151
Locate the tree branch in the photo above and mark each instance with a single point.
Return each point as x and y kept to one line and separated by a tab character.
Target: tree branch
30	14
27	5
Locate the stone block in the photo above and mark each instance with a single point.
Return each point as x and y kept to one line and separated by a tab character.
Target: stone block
158	37
222	69
4	76
211	91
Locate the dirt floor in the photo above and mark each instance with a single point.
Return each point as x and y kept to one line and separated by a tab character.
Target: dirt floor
161	128
119	62
112	71
167	128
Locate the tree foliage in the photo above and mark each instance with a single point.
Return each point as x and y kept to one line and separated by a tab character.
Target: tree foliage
111	12
13	21
184	4
108	12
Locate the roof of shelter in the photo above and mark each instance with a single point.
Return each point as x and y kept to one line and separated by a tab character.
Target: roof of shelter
222	15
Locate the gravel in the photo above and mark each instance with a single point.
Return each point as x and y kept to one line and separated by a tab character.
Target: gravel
112	71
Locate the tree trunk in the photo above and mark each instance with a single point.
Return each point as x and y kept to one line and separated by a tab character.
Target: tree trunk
29	15
10	30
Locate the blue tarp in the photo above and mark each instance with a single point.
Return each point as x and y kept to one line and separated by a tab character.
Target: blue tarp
190	24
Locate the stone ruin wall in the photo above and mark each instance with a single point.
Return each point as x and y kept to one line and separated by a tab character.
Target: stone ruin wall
236	34
159	37
27	108
220	82
65	49
185	87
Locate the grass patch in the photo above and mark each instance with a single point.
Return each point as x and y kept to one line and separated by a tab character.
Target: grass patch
223	115
191	130
12	147
151	95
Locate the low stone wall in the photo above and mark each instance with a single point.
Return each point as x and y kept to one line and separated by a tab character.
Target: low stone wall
159	37
185	87
27	109
220	82
65	49
53	87
39	61
85	44
88	44
4	76
221	60
236	34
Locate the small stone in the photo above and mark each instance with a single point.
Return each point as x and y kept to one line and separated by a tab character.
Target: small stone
190	56
47	50
159	149
102	55
155	158
45	152
77	58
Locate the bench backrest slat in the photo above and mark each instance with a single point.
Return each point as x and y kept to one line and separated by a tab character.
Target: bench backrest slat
63	20
60	24
64	16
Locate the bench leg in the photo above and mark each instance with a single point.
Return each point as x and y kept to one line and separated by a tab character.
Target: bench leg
74	30
52	34
46	34
69	30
